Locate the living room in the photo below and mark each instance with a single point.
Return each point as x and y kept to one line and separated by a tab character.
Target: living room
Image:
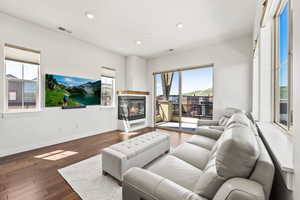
108	99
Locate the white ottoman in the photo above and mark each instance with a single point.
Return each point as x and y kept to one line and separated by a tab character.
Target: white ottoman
136	152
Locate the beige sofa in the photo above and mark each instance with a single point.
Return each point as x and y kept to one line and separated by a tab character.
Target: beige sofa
235	166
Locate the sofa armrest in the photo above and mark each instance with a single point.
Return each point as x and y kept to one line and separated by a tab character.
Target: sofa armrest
208	123
211	133
143	184
239	188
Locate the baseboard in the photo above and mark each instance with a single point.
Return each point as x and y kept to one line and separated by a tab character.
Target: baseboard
25	148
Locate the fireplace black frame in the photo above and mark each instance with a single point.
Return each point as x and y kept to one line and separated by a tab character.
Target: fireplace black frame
130	118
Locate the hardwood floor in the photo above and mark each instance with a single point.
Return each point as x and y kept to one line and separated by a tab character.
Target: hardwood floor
33	175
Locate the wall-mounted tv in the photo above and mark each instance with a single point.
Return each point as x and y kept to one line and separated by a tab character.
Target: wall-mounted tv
66	91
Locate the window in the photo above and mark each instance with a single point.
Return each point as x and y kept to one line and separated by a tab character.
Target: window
107	91
283	87
22	80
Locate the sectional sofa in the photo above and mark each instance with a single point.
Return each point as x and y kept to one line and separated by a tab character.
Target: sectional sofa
234	165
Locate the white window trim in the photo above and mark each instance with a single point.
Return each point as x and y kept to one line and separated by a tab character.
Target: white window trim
113	93
5	96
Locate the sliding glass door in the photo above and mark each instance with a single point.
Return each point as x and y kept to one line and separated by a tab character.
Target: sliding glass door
167	100
183	97
197	96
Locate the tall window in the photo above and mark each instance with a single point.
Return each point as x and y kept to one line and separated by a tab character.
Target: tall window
283	106
22	80
107	91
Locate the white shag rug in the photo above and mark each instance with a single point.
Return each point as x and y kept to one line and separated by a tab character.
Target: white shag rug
86	179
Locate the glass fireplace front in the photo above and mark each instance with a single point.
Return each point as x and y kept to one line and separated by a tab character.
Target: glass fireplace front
131	107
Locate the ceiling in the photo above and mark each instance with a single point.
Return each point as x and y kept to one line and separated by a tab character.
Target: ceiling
118	24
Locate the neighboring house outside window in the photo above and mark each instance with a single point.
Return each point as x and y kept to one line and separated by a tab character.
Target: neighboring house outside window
22	80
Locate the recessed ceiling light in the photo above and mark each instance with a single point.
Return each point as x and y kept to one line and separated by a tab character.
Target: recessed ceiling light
179	25
138	42
89	15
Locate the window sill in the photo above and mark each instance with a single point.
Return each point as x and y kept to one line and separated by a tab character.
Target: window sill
93	107
280	142
26	113
20	113
108	107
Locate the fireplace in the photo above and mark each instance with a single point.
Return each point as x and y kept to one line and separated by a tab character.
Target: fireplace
131	107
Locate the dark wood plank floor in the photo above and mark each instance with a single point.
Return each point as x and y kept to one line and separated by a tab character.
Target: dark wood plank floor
31	176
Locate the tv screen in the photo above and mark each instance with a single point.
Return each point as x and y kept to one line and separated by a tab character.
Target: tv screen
70	91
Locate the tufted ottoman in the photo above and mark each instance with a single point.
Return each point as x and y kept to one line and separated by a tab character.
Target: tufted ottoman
136	152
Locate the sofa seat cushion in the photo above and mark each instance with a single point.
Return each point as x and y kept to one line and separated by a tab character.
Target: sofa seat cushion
192	154
219	128
202	141
177	170
209	132
134	146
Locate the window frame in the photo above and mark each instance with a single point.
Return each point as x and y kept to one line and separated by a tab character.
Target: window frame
38	89
276	89
113	92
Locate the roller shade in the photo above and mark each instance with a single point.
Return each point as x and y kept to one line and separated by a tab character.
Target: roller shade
21	54
108	72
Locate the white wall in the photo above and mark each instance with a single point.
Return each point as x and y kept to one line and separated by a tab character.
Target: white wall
296	95
256	84
60	54
265	73
136	73
232	70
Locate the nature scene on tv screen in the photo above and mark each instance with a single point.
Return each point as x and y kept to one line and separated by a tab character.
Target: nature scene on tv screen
71	91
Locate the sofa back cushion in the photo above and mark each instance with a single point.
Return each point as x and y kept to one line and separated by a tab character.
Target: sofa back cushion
237	119
227	114
223	120
234	155
237	153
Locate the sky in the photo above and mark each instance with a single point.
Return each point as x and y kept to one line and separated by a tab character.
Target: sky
71	81
192	80
16	69
283	46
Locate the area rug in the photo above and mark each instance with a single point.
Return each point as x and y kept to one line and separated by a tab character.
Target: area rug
86	179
